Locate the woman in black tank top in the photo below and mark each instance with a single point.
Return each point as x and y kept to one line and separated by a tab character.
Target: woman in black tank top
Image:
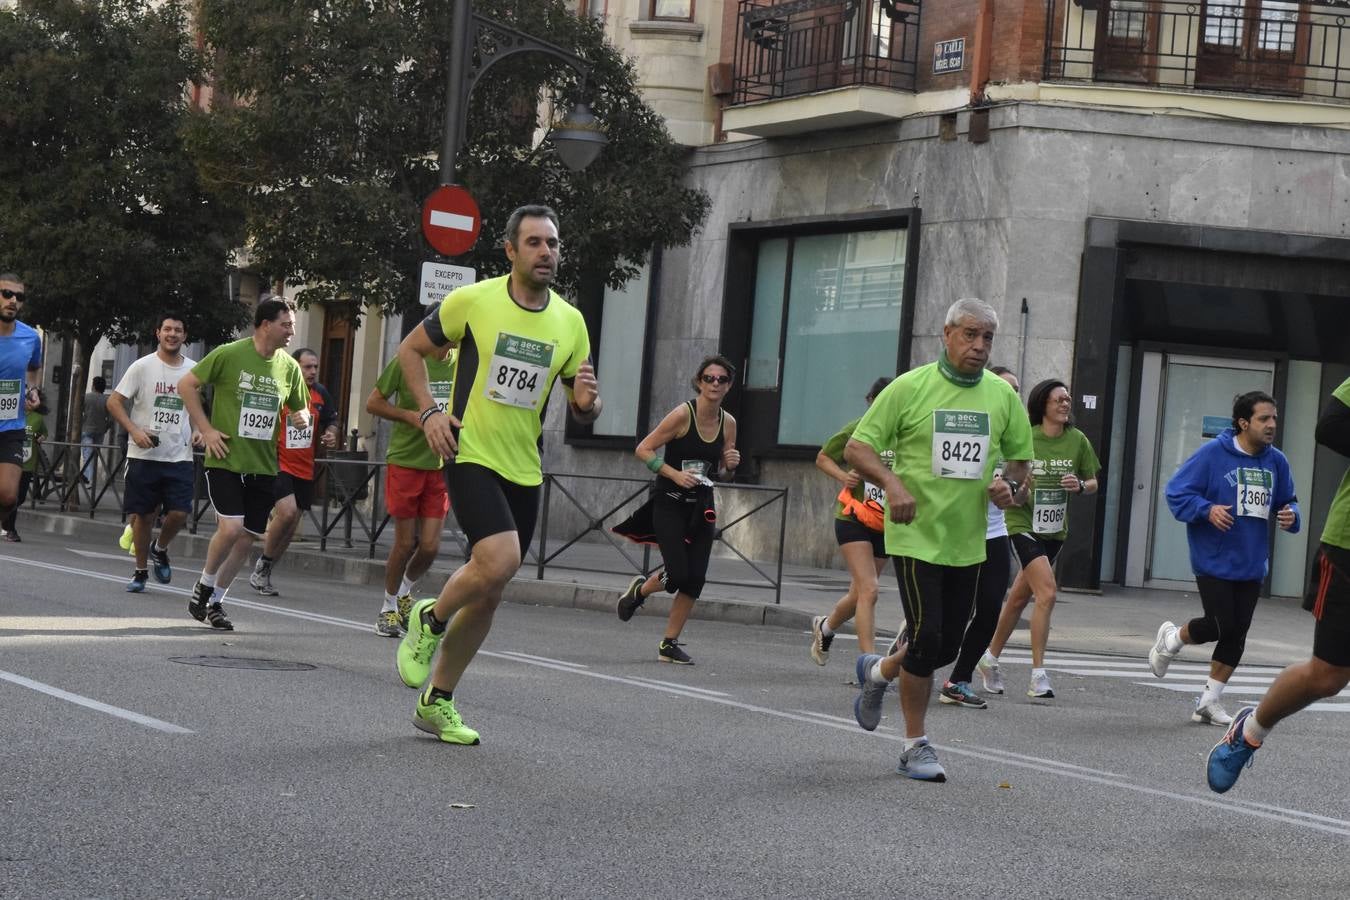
699	439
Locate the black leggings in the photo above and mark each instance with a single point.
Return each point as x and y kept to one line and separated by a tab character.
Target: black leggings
13	517
685	537
1229	606
988	604
937	601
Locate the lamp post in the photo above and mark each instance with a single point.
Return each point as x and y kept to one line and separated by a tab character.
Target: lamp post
577	138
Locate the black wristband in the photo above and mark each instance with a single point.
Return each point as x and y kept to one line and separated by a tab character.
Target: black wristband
1015	485
426	414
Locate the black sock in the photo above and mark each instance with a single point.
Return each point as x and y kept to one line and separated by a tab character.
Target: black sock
142	574
434	693
434	625
266	559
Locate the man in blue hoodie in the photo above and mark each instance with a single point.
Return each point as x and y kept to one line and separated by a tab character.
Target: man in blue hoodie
1225	494
1327	671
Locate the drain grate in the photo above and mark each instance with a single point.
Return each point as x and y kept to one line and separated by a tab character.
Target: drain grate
242	662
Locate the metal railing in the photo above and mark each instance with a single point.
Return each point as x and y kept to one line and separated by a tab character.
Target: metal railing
794	47
349	507
1265	47
600	521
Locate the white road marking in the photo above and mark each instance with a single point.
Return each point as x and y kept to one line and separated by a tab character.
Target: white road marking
1287	816
561	662
92	554
683	686
89	703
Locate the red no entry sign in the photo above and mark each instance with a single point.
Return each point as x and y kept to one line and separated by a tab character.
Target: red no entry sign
450	220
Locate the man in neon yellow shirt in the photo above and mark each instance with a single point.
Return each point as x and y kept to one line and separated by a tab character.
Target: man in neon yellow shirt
515	337
949	423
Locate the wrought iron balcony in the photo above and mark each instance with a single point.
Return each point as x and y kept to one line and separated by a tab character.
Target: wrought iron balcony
796	47
1270	47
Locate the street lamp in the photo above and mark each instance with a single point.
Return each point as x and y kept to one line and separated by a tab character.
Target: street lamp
577	139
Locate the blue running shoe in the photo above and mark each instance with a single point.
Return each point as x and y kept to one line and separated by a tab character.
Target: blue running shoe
867	706
137	583
1230	755
159	560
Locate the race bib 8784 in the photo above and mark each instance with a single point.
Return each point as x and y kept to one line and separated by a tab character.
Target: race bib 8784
519	370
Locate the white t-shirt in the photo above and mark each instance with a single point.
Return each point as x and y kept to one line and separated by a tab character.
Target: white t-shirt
152	387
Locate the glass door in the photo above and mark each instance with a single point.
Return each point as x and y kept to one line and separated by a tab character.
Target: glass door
1190	400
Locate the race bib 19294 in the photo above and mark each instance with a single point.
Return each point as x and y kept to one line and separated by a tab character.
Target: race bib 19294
960	443
258	415
518	373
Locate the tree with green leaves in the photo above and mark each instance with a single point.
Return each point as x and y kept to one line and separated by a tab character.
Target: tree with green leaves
333	126
102	211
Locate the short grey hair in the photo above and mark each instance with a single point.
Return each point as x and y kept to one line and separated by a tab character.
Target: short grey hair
974	308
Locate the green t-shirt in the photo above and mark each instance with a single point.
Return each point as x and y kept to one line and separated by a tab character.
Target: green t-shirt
511	356
1045	514
407	445
946	438
34	425
1337	530
834	449
246	404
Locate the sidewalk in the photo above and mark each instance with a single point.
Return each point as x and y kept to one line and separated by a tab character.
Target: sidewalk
1118	621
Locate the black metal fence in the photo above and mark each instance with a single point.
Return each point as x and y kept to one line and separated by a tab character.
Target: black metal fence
1266	47
785	49
612	508
349	507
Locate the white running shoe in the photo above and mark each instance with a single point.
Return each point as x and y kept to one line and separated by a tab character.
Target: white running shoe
990	674
1159	658
1212	713
820	641
1040	687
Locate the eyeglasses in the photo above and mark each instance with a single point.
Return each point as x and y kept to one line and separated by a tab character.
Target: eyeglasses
1061	400
11	295
715	379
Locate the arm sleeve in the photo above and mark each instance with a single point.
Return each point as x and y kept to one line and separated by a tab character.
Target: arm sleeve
1284	493
1186	490
834	447
1017	442
298	398
327	410
880	424
1333	428
35	361
208	368
446	323
1088	464
129	386
581	351
390	381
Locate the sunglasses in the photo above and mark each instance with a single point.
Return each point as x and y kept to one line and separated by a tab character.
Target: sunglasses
11	295
715	379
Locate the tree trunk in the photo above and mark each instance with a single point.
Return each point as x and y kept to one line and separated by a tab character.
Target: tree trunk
79	377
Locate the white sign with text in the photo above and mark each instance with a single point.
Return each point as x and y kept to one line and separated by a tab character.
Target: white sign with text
439	279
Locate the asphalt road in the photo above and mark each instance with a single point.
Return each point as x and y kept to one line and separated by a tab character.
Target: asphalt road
126	770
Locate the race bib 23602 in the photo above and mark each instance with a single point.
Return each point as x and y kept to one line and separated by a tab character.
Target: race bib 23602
1253	493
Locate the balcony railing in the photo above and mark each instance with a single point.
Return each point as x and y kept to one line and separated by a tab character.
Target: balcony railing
795	47
1278	48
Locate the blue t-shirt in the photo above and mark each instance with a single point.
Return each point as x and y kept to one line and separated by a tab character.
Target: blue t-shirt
19	352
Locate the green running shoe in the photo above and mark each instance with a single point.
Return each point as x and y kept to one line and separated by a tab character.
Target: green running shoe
439	717
418	646
126	541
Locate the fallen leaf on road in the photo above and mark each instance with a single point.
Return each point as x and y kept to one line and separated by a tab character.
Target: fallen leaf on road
461	806
1005	785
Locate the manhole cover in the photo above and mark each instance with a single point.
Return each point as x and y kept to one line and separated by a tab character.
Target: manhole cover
242	662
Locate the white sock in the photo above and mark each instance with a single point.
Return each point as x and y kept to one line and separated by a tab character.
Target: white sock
825	629
1036	673
874	674
1213	691
406	587
909	743
390	603
156	547
1172	640
991	657
1253	732
218	594
208	580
